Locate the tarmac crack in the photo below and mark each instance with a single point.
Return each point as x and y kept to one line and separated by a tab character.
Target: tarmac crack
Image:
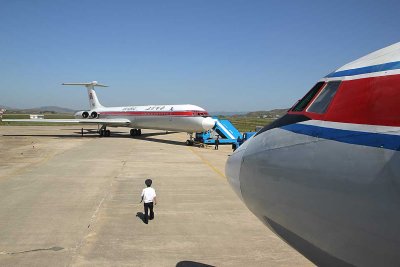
32	250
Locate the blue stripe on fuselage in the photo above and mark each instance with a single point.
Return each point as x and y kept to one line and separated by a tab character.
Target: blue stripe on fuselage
365	70
381	140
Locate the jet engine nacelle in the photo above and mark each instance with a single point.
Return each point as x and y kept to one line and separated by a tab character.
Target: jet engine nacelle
81	114
85	114
94	114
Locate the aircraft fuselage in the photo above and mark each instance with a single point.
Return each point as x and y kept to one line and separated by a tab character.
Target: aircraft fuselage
185	118
326	176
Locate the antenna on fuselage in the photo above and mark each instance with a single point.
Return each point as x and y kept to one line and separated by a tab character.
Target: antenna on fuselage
94	102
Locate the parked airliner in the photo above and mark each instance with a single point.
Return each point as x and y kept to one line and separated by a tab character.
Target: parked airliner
326	176
181	118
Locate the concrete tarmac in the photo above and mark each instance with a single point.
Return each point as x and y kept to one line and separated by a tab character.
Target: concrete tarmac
67	200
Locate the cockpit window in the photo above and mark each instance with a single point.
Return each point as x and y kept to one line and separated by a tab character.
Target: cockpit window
302	104
322	102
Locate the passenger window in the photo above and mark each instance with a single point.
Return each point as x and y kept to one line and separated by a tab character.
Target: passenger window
302	104
322	102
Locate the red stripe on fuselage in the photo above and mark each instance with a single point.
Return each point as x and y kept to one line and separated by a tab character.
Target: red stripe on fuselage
190	113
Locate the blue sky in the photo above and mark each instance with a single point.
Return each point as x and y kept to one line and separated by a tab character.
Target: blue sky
221	55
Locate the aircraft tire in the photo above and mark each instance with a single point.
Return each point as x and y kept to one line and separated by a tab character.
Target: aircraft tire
101	133
189	143
107	133
139	132
132	132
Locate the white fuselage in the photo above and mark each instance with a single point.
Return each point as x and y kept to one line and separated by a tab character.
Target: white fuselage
183	118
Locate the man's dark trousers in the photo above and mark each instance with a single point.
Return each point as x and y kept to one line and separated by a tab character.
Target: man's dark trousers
148	206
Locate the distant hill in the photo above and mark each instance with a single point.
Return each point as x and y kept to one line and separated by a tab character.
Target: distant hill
45	109
1	106
227	113
275	113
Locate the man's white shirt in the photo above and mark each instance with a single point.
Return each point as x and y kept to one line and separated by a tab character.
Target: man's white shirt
148	194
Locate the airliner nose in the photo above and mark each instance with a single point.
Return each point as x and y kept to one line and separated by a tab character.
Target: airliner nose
208	123
232	170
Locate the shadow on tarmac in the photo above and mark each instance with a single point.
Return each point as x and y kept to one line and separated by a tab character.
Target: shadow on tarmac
140	215
172	142
192	264
91	134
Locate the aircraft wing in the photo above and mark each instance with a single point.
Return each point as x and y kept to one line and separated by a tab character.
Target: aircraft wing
86	121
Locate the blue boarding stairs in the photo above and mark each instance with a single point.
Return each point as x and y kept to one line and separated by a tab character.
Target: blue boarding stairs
226	133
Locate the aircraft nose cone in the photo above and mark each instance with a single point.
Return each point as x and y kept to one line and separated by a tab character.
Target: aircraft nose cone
232	171
208	123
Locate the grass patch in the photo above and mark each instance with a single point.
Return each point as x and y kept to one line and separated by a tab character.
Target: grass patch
246	124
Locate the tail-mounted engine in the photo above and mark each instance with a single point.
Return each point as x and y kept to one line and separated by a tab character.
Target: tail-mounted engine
94	115
85	114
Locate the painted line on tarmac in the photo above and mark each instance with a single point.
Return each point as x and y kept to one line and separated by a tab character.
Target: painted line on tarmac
208	163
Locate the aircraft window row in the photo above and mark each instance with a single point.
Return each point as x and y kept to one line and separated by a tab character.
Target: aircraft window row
157	113
321	103
303	103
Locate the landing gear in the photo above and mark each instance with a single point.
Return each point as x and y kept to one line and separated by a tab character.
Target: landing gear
104	132
190	141
136	132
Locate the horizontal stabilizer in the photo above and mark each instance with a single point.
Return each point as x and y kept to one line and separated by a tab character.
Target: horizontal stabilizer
94	83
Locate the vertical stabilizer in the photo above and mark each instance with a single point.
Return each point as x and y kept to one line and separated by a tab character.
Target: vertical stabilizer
94	102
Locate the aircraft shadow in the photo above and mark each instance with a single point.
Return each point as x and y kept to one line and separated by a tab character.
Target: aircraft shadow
150	139
145	137
192	264
66	136
88	134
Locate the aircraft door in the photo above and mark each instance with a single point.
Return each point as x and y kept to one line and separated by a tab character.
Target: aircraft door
170	116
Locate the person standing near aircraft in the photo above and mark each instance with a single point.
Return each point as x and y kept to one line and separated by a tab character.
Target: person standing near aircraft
148	197
216	143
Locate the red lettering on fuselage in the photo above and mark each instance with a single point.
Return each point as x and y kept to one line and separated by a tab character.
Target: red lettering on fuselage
155	113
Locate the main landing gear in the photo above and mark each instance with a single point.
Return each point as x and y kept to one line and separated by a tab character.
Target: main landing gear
104	132
136	132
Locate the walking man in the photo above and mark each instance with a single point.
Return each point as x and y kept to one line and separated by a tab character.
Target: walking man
148	197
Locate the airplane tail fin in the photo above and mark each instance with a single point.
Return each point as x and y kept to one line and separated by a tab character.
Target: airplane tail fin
93	100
